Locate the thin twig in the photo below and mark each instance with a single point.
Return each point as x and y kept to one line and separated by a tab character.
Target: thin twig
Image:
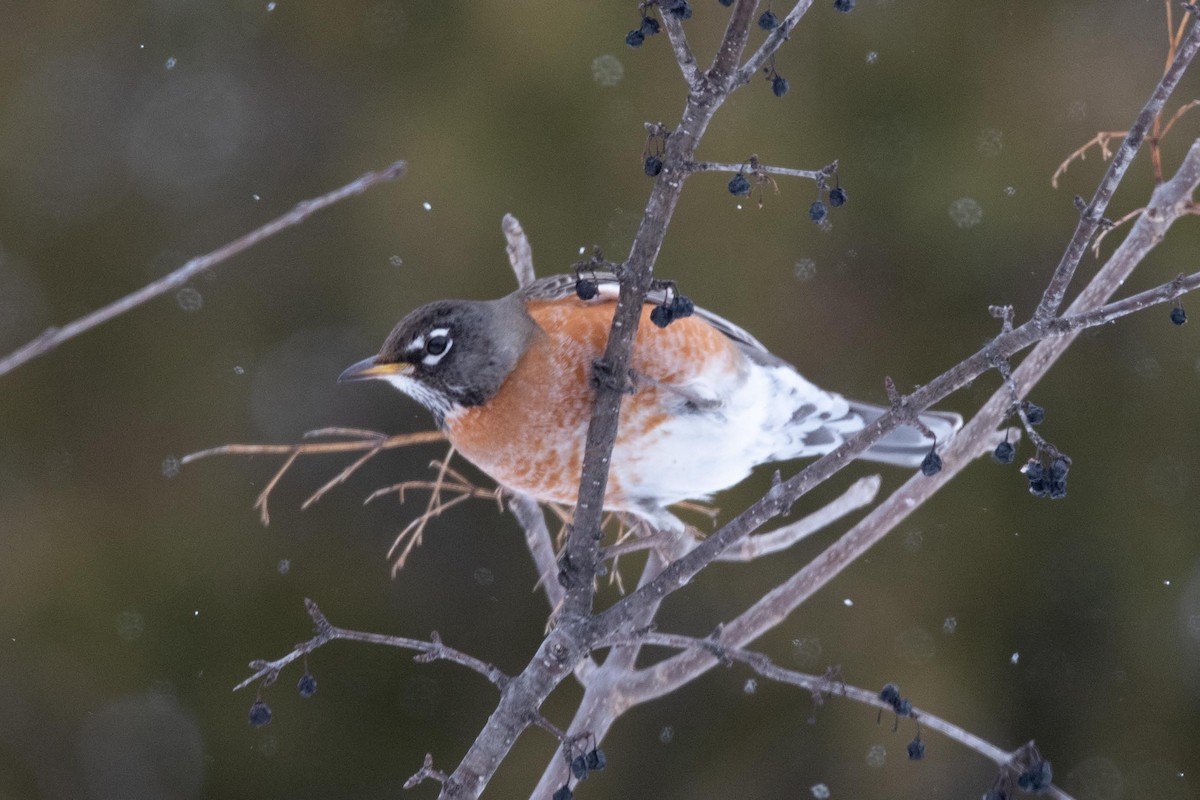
53	337
1100	140
318	448
432	650
1093	214
811	174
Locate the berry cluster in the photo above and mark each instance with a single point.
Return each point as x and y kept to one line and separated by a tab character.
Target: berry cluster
648	27
668	311
581	765
1047	470
260	712
1048	481
818	212
890	694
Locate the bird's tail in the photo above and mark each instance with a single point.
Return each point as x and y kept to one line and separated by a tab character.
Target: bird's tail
907	446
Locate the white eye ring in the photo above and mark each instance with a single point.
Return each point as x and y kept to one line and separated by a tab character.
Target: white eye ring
438	337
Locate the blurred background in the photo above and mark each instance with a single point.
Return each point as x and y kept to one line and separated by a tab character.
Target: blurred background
134	135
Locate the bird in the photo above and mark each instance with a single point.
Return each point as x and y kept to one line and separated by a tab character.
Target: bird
510	382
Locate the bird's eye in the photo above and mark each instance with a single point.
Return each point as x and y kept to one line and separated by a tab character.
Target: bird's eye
436	345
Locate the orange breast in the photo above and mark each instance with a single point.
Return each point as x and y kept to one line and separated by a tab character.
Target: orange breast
530	435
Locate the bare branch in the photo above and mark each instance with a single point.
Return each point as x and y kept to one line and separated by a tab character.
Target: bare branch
1092	216
433	650
53	337
774	41
716	650
426	772
811	174
679	44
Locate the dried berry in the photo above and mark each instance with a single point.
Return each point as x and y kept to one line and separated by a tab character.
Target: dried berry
260	714
817	212
635	38
307	686
586	289
931	464
916	749
596	760
837	197
681	307
653	166
679	8
1004	453
845	6
1178	315
1036	778
739	186
661	316
779	85
768	21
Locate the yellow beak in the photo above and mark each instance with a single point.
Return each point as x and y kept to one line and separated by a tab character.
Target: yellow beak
370	368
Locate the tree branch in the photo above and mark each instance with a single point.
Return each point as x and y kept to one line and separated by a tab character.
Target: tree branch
53	337
1092	215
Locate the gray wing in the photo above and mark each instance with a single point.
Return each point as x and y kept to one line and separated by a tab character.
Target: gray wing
557	287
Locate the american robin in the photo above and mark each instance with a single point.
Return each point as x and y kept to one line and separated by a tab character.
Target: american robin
510	381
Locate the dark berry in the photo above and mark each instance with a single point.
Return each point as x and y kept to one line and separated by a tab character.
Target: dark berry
661	316
1004	453
680	8
931	464
768	21
1036	778
890	694
579	768
681	307
996	794
586	289
653	166
1039	487
307	686
1034	413
650	26
725	2
916	749
1034	471
779	85
564	793
596	760
260	714
1059	468
634	38
739	186
1058	490
903	706
817	212
837	197
844	6
1178	315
